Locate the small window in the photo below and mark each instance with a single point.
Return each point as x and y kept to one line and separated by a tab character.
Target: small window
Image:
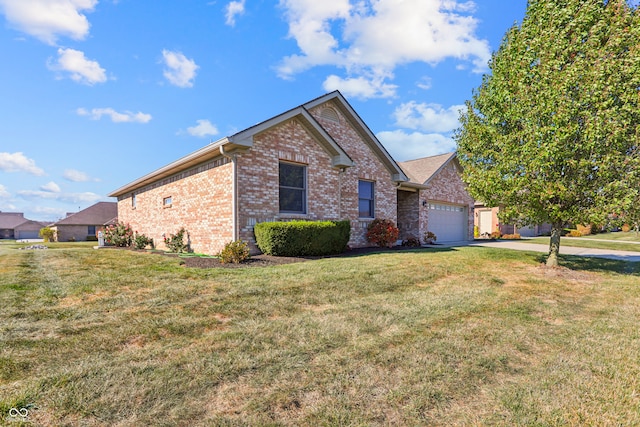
91	230
293	188
366	199
133	200
166	202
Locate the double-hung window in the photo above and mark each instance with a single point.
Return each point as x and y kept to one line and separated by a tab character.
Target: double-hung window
293	188
366	199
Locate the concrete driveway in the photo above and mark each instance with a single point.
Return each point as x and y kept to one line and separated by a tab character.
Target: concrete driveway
523	245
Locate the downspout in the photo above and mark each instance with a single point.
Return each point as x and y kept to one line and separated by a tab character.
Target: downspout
234	197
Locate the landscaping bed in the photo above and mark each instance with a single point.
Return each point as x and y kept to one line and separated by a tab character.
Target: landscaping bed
263	260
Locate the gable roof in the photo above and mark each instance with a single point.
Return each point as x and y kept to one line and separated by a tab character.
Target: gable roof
10	220
99	214
244	140
421	171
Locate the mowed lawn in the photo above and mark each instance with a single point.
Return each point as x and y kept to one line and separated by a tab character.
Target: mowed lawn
468	336
623	241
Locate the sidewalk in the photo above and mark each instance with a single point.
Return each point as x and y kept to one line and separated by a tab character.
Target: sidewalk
522	245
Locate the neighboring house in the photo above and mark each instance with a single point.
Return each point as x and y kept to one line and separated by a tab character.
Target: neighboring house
435	199
13	225
486	219
318	161
84	225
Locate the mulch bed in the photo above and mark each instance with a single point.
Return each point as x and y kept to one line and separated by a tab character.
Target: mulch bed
268	260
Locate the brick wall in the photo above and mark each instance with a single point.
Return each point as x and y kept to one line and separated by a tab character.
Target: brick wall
409	214
201	203
202	196
66	233
331	193
367	167
447	187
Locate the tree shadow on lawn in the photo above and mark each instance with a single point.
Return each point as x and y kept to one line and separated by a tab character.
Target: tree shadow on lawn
583	263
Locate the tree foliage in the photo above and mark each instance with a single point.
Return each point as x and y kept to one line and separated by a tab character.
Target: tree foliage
552	133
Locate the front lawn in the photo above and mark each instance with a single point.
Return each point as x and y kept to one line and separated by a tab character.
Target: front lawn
617	241
469	336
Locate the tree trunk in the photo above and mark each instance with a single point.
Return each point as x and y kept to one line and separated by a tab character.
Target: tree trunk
554	245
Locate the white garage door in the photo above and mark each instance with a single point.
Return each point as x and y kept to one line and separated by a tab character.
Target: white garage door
448	222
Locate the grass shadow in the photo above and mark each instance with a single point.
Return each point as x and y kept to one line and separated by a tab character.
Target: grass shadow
598	264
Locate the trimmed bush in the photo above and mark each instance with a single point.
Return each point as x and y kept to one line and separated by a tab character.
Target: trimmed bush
302	238
411	242
234	252
430	238
514	236
574	233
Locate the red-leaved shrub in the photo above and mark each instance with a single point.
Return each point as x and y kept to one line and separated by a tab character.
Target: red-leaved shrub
382	232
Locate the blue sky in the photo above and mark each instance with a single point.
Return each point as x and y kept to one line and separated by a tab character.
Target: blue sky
96	93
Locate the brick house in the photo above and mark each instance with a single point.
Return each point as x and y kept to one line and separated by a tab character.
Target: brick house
318	161
435	199
84	225
13	225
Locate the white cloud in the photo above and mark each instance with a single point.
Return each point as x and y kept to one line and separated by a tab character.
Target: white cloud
180	70
86	197
4	193
202	129
51	187
48	19
360	87
370	39
17	162
233	9
74	175
81	69
424	83
116	117
428	117
407	146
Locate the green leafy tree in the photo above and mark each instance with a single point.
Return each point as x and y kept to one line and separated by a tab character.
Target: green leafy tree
552	132
48	234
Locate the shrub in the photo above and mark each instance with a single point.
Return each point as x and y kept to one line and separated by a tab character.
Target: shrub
514	236
175	242
430	238
234	252
574	233
302	238
118	235
47	233
382	232
411	242
585	230
140	241
625	228
476	231
495	235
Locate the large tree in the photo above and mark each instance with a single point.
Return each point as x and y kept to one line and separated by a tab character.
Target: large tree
551	133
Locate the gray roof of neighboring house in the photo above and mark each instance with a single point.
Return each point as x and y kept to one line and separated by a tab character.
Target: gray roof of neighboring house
10	220
420	171
99	214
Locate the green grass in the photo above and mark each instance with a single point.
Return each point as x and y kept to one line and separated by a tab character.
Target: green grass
469	336
616	241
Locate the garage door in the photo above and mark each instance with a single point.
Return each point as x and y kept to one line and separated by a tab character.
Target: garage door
448	222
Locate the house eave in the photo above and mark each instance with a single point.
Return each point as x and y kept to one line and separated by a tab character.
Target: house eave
204	154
